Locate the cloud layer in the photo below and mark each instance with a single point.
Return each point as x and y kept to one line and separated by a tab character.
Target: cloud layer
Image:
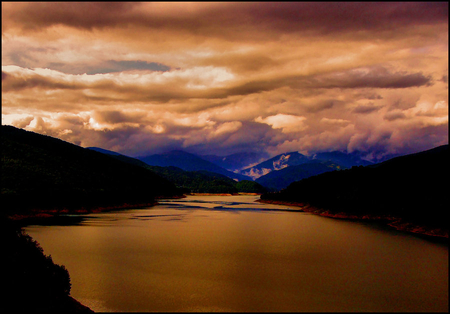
142	78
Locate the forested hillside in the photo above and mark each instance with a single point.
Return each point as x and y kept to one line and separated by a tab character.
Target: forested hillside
31	281
41	172
413	187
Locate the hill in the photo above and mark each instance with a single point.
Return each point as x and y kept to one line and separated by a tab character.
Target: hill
40	172
188	162
32	282
197	181
412	189
206	182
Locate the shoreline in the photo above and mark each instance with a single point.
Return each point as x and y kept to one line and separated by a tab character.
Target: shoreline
46	215
51	216
393	222
224	194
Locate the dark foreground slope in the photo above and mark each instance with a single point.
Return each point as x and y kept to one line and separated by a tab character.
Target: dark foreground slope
412	189
31	281
42	173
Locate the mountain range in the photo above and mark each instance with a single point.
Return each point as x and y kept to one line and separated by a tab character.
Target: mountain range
340	159
196	181
271	173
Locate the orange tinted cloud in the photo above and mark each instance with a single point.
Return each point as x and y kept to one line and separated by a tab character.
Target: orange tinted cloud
144	77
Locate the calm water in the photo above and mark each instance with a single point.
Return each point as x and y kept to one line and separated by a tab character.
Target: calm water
225	253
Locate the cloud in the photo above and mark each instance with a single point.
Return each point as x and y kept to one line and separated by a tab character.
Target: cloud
229	77
222	19
288	123
365	109
334	121
228	127
394	115
128	65
372	77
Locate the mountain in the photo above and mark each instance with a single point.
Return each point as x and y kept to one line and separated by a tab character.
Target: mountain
412	187
200	181
188	162
280	179
341	159
42	172
236	162
276	163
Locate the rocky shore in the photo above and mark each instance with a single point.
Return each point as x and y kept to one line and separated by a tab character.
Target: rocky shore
395	222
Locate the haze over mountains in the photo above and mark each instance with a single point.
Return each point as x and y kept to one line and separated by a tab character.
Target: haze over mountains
270	173
273	174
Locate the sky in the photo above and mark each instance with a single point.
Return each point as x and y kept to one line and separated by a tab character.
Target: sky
223	78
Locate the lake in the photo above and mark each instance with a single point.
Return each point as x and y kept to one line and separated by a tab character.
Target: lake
230	253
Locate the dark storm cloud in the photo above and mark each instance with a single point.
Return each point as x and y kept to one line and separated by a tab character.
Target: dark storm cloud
227	18
373	77
365	109
125	65
11	82
115	117
394	115
322	105
34	15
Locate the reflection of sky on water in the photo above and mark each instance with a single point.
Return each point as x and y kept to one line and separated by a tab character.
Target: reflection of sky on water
169	258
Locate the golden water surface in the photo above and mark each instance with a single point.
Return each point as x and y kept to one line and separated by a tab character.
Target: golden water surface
229	253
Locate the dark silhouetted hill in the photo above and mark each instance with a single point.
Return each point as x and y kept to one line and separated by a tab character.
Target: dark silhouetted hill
42	172
413	187
31	281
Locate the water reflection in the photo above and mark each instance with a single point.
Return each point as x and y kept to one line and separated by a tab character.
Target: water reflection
233	254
